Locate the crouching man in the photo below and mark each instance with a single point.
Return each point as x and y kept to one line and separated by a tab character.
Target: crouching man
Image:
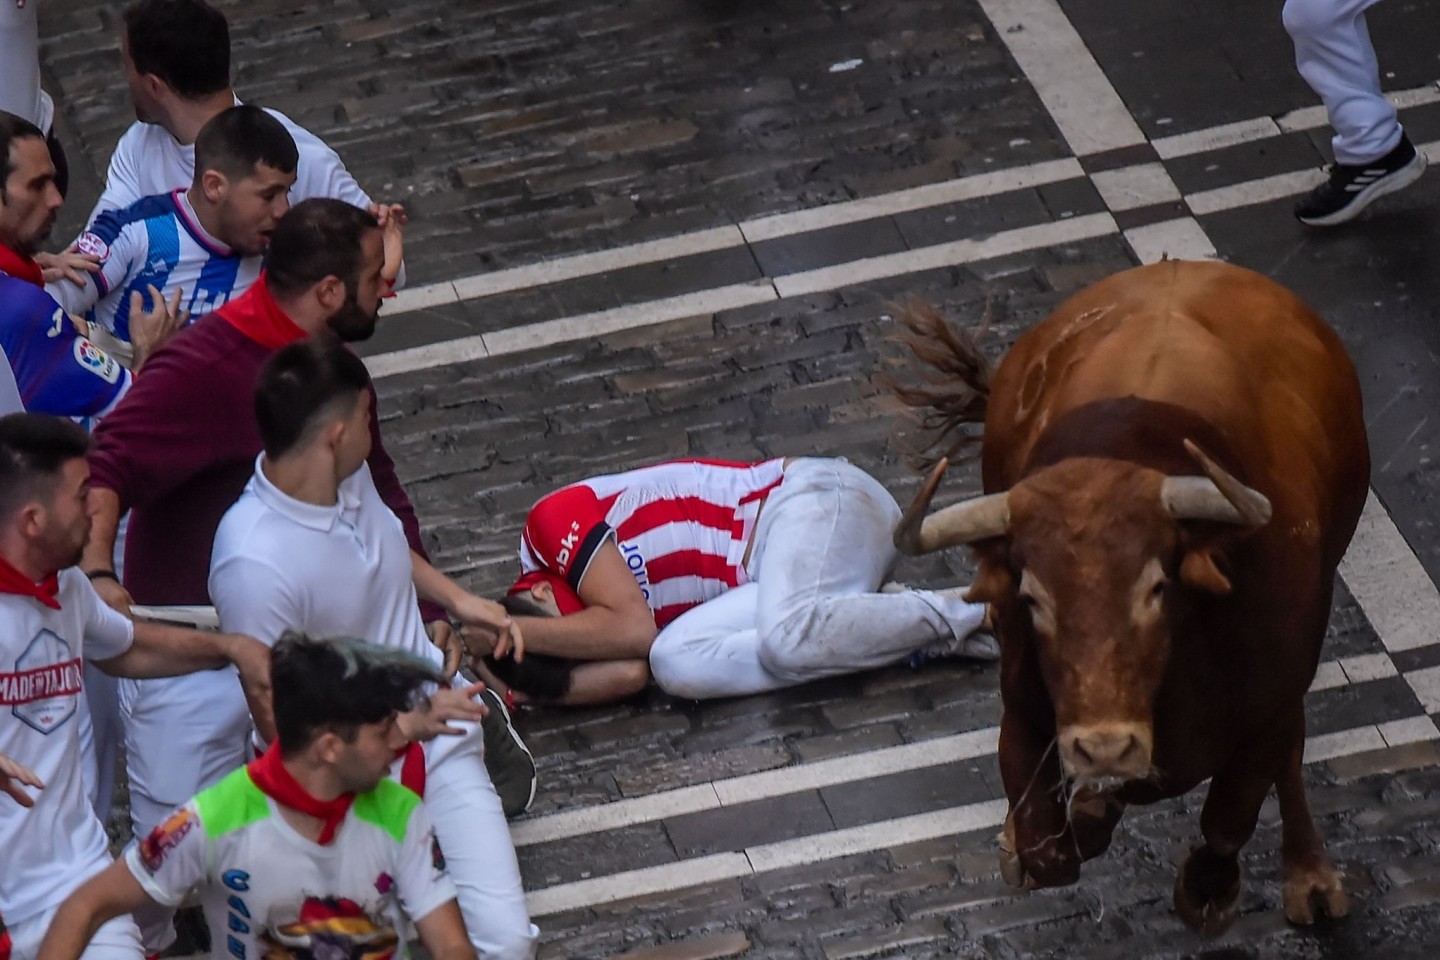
51	621
729	578
310	850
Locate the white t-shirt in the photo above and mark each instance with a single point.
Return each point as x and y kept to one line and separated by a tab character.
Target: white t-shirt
341	570
53	847
267	891
148	161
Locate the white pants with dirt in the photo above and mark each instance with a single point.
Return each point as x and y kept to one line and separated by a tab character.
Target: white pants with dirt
1334	54
116	939
822	549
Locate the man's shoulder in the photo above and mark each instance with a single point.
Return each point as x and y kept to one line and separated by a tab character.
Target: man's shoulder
209	344
19	297
389	806
232	804
305	141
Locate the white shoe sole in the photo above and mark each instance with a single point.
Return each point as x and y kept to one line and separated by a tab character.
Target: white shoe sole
1398	180
495	701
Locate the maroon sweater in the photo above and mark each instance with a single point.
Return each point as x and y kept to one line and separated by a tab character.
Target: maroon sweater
179	449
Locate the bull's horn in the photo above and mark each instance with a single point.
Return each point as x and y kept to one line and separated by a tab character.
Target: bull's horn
978	518
1217	496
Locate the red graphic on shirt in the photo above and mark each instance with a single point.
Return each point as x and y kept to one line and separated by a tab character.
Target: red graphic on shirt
49	682
330	928
166	837
4	941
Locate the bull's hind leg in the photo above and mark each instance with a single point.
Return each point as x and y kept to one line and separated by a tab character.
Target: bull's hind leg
1310	879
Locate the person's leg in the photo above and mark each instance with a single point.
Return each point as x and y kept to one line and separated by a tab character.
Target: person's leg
713	650
182	734
100	736
822	551
20	62
1335	57
475	840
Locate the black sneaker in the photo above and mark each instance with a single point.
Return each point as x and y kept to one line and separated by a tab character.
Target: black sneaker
507	759
1351	189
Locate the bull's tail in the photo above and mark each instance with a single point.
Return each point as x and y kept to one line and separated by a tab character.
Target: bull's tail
954	388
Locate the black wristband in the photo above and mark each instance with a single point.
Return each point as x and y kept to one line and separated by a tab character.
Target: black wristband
102	575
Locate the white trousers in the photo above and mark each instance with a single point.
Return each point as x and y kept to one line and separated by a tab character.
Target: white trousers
117	939
20	64
822	549
101	731
183	734
1334	54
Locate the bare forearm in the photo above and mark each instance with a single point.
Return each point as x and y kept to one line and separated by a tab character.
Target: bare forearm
433	585
161	650
105	520
595	633
70	932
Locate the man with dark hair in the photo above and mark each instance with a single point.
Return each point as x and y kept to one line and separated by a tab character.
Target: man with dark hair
311	545
194	248
177	64
51	368
51	621
337	708
179	451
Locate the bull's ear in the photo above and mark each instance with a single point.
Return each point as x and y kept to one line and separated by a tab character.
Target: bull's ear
1199	570
993	582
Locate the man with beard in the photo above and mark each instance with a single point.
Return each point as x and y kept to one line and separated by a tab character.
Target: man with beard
178	452
51	621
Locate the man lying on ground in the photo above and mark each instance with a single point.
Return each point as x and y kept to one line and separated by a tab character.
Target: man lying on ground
725	579
309	850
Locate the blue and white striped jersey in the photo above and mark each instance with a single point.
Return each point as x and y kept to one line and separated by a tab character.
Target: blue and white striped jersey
155	241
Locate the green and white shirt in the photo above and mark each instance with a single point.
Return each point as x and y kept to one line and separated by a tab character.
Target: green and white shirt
271	894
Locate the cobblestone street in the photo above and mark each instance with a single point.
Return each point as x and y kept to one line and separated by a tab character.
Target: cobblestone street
644	229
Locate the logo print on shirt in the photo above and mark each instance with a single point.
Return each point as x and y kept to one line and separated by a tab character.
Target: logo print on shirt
166	837
95	360
567	547
45	685
93	246
330	928
635	560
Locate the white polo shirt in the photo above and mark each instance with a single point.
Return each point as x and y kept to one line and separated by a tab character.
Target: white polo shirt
341	570
53	847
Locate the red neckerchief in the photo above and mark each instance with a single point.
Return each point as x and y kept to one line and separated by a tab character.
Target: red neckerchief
20	267
270	775
13	581
256	314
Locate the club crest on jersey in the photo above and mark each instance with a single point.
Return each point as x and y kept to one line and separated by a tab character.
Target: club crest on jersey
97	361
93	246
44	688
166	837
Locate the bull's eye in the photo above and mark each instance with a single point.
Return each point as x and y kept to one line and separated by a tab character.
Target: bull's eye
1157	592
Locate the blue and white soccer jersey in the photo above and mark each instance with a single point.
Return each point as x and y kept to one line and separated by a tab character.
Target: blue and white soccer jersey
57	370
156	241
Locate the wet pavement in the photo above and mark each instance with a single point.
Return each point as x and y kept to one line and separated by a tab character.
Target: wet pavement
652	229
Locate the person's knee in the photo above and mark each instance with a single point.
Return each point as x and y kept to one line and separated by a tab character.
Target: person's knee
1305	19
788	648
674	672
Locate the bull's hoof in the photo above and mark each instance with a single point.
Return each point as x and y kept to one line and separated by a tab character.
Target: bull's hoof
1309	887
1207	892
1012	871
1052	862
1092	820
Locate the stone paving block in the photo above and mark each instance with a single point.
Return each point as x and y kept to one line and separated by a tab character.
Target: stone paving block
1391	760
899	705
582	857
849	742
749	824
899	882
903	936
903	794
700	768
714	947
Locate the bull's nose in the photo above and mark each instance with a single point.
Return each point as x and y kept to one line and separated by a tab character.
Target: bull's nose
1106	750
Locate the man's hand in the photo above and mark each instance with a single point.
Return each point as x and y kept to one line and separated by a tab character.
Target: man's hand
252	660
443	635
149	329
488	626
70	265
392	218
432	718
12	775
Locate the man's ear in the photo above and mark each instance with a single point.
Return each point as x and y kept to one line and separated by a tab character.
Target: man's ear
331	293
214	184
31	518
542	592
328	747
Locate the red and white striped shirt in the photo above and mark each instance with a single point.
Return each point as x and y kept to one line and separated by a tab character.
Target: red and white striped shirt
682	527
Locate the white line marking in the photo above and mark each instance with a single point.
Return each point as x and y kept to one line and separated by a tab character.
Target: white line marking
1051	234
914	198
1309	118
637	883
1141	185
887	834
612	816
418	298
1179	239
877	836
1369	666
1386	579
1066	77
1329	676
1253	192
1426	684
1215	138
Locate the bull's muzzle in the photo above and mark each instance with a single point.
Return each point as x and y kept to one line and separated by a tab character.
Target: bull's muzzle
1107	754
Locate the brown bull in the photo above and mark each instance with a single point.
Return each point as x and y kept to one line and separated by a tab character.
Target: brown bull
1174	462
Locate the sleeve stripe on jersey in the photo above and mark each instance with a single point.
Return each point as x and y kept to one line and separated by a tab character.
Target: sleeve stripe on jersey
588	549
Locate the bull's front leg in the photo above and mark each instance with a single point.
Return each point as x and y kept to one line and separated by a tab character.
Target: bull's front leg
1036	846
1310	879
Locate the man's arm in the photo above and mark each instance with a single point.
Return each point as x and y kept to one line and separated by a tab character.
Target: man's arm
616	623
106	895
442	931
477	612
99	553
